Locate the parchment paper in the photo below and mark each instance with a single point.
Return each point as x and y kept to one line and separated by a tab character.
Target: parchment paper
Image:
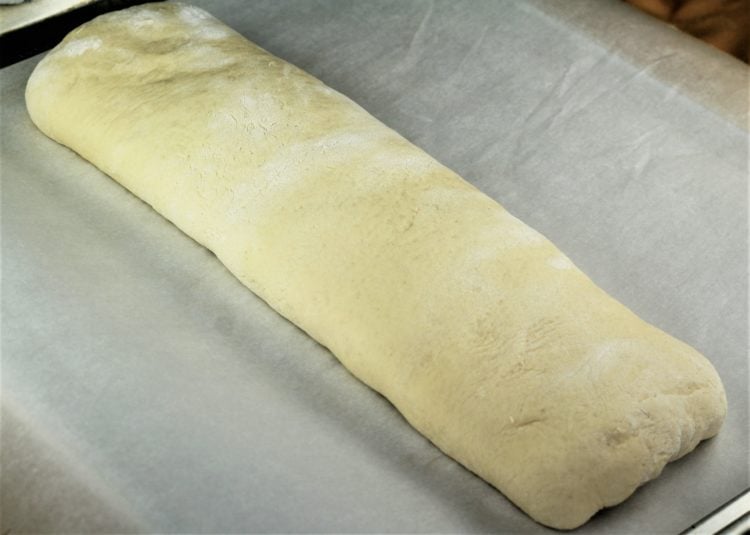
145	389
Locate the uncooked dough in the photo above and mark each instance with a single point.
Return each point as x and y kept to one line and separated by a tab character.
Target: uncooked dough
482	333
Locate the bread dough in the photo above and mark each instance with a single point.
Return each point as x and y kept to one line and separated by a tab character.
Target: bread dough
483	334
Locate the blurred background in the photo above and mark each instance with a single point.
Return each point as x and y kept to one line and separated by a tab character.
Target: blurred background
724	24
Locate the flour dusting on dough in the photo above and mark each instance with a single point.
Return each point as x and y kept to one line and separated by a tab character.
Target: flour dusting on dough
142	19
408	161
213	33
193	15
283	172
206	57
248	102
206	26
80	46
560	262
517	234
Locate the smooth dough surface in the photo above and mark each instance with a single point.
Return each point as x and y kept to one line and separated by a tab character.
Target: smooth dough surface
479	330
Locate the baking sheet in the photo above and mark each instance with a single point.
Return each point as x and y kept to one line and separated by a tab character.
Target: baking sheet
145	389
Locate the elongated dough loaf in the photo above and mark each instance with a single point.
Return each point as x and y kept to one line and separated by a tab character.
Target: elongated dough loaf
483	334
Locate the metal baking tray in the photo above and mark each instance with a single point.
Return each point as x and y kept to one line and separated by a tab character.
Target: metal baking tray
144	388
